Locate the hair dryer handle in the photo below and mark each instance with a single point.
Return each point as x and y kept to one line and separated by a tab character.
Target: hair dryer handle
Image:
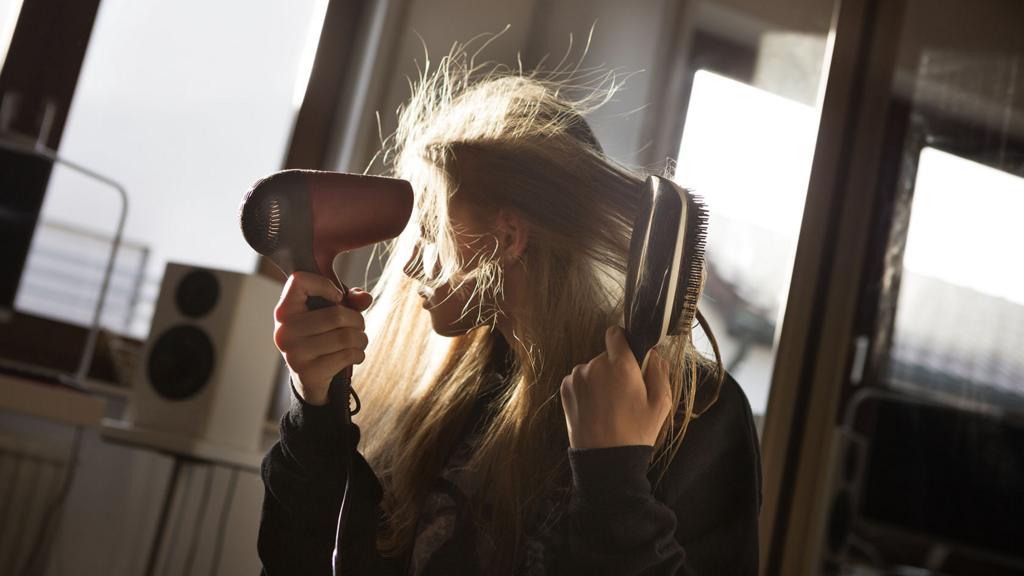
338	398
318	302
341	384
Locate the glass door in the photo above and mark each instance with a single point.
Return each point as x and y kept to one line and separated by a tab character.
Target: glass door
919	466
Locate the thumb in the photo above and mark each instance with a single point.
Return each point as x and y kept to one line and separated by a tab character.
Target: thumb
358	299
616	344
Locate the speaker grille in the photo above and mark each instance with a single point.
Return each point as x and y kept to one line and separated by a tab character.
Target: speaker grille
197	293
180	362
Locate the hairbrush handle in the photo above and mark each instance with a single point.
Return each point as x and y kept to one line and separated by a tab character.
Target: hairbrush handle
652	273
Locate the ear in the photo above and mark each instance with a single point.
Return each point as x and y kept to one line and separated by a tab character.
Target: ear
513	234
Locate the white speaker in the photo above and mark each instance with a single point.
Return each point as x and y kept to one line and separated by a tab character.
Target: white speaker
206	375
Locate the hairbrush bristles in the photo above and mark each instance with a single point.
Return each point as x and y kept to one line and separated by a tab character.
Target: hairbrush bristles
665	271
691	269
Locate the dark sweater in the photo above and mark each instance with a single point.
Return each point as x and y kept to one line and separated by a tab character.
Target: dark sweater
700	519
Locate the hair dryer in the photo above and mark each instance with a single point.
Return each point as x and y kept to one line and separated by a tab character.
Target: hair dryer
301	220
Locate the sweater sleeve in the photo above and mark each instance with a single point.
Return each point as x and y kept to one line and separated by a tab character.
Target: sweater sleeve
304	479
701	518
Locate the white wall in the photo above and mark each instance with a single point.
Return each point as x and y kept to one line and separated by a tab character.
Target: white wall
625	38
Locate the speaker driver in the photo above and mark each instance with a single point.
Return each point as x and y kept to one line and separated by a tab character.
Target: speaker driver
197	293
181	362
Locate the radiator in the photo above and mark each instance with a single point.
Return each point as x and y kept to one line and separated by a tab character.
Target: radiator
32	478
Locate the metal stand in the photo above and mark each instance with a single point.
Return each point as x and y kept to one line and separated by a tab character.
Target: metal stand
23	145
165	510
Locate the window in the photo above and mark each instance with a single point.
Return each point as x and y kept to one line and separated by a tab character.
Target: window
748	152
959	324
9	11
185	104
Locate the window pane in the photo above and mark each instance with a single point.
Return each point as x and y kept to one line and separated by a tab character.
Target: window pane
9	11
959	322
185	103
748	152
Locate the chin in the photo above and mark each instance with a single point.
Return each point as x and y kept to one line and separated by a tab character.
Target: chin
449	329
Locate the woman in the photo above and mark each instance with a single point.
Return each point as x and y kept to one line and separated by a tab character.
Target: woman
506	427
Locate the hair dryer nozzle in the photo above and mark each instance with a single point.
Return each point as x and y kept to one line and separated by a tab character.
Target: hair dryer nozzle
302	219
261	215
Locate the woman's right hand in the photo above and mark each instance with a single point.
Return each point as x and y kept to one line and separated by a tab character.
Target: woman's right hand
317	344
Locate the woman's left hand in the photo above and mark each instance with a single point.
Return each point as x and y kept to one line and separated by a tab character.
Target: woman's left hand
608	402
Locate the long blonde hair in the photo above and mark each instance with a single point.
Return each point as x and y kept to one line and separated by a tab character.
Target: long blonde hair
500	138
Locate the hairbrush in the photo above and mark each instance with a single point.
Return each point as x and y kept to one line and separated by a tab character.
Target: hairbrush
666	265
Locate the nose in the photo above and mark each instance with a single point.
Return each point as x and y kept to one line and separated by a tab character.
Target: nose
414	267
424	257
